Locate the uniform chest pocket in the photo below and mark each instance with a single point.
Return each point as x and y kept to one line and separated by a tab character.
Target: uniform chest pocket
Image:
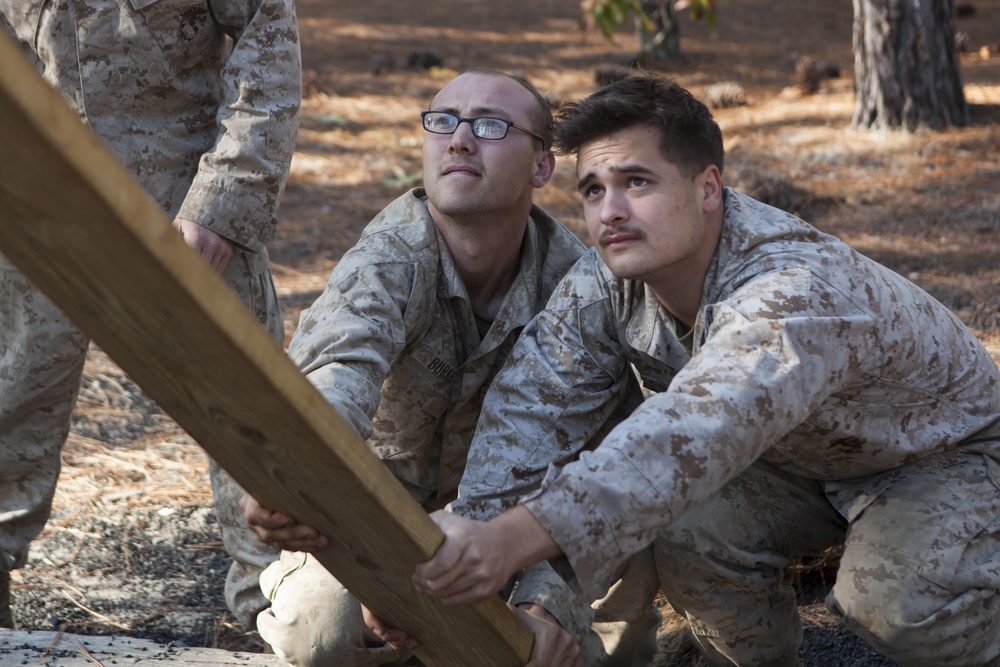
415	398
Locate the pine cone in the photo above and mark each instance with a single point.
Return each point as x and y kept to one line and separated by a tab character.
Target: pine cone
725	94
807	75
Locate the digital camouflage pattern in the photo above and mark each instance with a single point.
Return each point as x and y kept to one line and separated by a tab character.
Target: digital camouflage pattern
41	362
199	99
394	345
806	356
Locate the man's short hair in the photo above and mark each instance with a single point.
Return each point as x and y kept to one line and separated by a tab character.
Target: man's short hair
541	114
689	137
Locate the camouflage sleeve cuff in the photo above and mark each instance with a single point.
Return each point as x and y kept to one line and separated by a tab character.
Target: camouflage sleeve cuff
228	215
542	585
581	533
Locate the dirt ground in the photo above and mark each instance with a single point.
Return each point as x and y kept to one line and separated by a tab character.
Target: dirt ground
133	547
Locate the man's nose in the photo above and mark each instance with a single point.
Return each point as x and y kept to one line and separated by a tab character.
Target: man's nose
613	208
463	138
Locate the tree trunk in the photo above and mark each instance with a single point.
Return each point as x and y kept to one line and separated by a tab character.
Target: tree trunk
662	43
906	69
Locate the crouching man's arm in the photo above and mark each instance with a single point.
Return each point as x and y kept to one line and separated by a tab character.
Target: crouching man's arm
280	530
478	557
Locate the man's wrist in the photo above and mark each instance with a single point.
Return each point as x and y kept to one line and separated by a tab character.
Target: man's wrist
530	542
538	611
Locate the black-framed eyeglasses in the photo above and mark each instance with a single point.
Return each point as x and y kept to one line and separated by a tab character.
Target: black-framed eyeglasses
483	127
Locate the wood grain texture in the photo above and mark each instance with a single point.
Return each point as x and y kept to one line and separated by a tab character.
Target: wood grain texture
84	231
60	649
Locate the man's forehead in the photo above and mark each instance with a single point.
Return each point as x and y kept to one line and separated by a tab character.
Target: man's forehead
631	149
469	107
481	94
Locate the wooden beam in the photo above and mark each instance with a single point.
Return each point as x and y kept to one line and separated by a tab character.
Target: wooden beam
83	230
18	647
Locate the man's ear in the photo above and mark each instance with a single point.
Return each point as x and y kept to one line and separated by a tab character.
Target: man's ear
711	182
544	168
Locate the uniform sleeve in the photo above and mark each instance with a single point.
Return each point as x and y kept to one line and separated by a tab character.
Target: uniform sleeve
771	355
565	377
347	341
544	586
241	178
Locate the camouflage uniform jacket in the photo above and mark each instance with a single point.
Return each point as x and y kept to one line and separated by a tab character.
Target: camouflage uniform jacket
199	99
804	353
394	346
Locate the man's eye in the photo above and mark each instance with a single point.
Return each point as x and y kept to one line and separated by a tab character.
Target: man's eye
491	127
636	181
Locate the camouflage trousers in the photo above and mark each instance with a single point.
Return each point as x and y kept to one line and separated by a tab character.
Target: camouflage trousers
313	621
918	576
41	364
42	354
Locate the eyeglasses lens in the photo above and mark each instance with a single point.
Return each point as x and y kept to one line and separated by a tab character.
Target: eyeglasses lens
484	127
441	123
489	128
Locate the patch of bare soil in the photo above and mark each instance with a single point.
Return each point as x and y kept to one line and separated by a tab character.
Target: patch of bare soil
133	547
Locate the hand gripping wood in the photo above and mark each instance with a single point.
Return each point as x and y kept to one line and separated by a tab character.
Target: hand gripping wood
79	226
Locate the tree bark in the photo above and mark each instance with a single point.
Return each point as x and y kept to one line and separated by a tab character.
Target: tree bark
906	69
663	42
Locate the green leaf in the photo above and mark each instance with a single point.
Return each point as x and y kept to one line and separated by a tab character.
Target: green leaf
401	179
609	15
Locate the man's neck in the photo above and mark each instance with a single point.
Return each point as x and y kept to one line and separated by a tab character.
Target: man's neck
679	288
682	302
486	253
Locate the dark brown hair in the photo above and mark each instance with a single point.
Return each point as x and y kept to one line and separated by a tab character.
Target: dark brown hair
689	137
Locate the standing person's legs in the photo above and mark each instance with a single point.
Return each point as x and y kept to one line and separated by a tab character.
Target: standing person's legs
250	277
313	621
41	363
722	565
920	573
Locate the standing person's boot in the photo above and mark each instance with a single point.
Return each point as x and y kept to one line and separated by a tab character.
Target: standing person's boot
6	618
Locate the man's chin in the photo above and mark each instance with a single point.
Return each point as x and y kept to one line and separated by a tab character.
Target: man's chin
621	269
452	203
